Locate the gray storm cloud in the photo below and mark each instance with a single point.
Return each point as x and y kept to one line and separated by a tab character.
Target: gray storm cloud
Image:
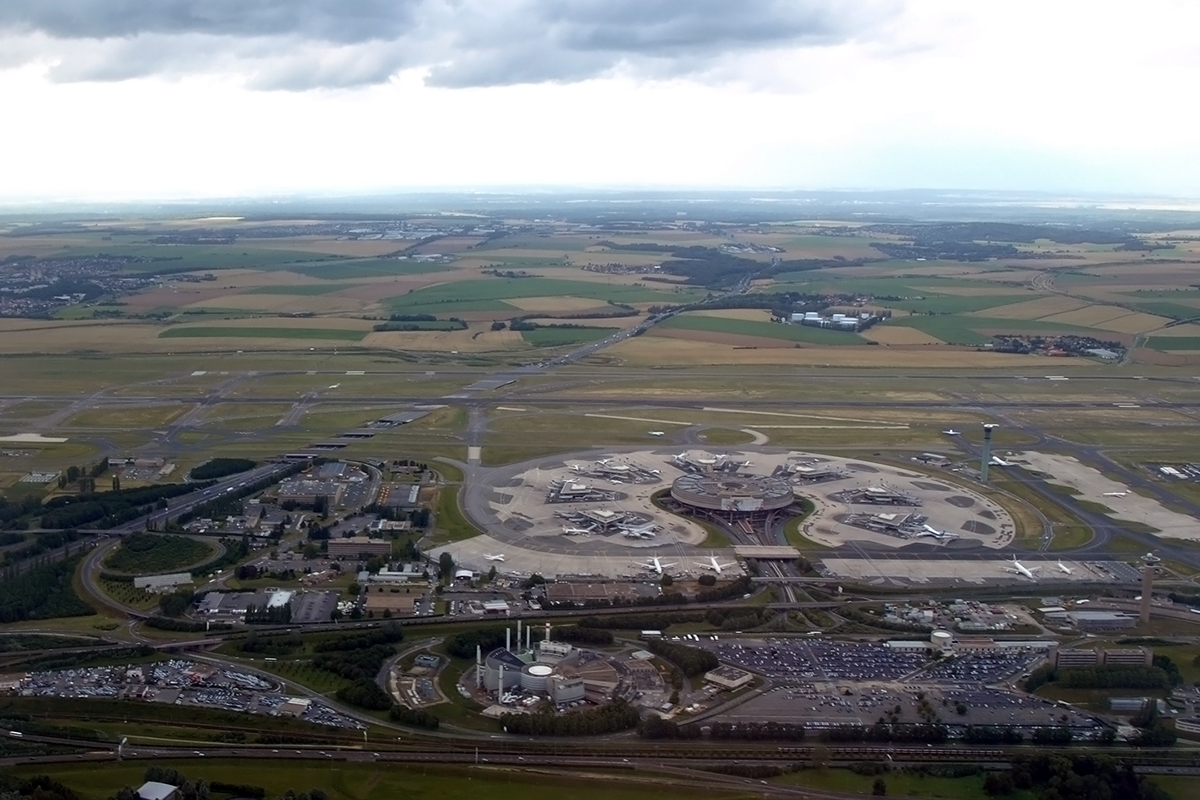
305	44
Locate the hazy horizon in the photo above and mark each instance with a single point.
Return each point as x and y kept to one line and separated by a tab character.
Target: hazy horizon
219	99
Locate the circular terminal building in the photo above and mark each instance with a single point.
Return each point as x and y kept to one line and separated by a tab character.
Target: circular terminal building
732	492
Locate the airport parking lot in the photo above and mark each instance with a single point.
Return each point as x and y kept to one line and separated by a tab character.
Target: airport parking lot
819	705
819	659
180	682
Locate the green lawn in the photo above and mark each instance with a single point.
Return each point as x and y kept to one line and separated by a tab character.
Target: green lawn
899	784
370	781
205	332
766	330
561	337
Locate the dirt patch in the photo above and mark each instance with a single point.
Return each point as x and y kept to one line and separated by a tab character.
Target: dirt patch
754	314
899	335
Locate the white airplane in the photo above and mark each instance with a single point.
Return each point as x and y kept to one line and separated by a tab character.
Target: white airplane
657	433
715	565
497	557
1115	494
334	385
570	530
1063	568
1020	569
997	461
655	564
936	534
638	534
951	432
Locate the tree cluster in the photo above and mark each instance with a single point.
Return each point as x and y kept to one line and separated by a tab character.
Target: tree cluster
1081	777
463	644
575	634
220	467
755	731
692	661
610	718
111	508
42	592
415	717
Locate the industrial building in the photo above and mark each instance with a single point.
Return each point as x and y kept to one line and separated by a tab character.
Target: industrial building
1094	620
728	677
534	669
359	546
1077	658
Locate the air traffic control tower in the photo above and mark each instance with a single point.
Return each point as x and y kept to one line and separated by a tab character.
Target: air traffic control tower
985	455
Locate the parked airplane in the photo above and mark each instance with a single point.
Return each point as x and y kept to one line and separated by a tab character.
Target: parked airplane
1064	569
1020	569
638	534
657	433
997	461
655	564
1115	494
497	557
936	534
715	565
569	530
951	432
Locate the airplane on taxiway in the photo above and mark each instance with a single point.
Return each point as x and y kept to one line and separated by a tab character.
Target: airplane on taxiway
497	557
1064	569
936	534
657	433
655	564
715	565
1020	569
951	432
1115	494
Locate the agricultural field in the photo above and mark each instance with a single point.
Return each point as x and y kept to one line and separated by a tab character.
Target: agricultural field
760	330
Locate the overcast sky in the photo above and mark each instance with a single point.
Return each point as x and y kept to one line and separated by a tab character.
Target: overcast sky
127	99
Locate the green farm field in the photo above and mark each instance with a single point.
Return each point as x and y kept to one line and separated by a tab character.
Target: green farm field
561	337
765	330
452	296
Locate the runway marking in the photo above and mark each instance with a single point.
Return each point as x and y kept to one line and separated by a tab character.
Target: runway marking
785	414
840	427
641	419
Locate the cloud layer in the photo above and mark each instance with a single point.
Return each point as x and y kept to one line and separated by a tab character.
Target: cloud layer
308	44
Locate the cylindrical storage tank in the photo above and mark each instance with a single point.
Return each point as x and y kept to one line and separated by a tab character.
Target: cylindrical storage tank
942	639
534	677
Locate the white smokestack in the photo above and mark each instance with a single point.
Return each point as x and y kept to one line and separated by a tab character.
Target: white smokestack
508	638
